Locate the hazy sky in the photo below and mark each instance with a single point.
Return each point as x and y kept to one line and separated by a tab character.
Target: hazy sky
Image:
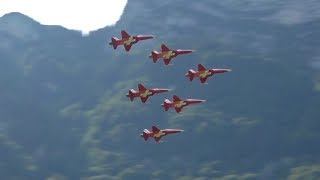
84	15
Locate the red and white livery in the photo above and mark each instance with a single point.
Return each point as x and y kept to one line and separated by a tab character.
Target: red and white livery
144	93
204	73
127	40
157	134
178	104
167	54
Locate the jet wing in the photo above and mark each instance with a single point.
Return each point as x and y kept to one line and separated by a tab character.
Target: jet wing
201	67
157	139
178	110
127	47
203	80
141	87
144	99
155	129
124	34
167	61
164	48
176	98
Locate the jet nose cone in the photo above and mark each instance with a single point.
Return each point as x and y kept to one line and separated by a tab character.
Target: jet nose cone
185	51
188	51
200	100
178	131
144	37
150	37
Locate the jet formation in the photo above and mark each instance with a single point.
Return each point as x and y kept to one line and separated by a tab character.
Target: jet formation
167	55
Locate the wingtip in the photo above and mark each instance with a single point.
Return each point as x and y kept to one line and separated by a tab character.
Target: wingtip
163	44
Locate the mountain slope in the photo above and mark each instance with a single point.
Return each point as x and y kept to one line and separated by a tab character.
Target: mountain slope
63	95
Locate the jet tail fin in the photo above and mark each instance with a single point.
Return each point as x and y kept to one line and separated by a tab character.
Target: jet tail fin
130	94
145	134
114	42
165	104
191	74
154	55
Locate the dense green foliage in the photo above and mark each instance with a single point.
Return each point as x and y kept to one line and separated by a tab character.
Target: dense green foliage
64	114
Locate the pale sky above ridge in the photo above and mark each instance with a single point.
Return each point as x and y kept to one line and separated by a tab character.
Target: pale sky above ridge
83	15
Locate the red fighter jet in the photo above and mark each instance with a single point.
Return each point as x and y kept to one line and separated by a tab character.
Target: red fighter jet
127	41
157	134
166	54
178	104
144	93
204	73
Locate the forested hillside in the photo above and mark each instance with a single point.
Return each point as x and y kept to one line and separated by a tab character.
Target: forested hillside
64	114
